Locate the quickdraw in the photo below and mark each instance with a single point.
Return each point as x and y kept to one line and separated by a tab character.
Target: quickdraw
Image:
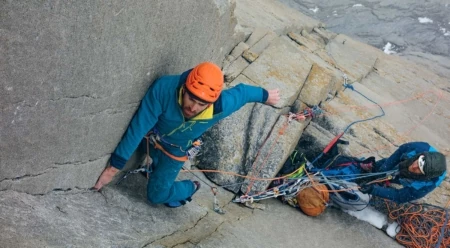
313	112
308	112
195	149
142	169
288	189
216	206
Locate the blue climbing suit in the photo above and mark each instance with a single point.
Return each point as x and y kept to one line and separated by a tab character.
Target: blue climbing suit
412	189
161	110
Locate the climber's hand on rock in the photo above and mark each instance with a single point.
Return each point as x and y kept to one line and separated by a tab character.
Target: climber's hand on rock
274	97
106	177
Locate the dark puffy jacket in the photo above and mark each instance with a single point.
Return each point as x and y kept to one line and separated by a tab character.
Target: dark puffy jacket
412	189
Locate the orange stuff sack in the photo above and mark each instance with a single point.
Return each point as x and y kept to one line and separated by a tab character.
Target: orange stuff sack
313	200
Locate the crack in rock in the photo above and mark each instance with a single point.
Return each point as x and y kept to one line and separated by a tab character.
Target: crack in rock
446	89
206	237
71	191
82	162
104	196
56	191
76	97
113	111
51	168
173	236
382	135
61	210
154	241
27	175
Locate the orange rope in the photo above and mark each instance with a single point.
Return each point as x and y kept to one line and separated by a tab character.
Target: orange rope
243	176
421	225
261	166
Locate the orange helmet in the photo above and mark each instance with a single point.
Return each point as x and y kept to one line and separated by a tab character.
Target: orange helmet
205	81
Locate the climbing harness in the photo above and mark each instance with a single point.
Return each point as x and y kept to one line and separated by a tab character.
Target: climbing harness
155	138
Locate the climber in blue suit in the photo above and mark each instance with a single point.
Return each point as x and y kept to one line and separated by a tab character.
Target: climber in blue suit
419	167
178	109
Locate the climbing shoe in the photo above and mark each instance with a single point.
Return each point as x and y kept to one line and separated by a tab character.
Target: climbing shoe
176	204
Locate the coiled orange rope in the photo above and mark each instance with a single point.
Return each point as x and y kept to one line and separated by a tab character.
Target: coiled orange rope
422	225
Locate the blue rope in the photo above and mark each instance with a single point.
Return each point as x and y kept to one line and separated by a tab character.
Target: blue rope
317	158
349	86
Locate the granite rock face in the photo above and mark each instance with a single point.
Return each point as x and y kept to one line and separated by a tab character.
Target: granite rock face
73	74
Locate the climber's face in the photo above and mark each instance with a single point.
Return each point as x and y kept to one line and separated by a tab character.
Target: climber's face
415	166
192	106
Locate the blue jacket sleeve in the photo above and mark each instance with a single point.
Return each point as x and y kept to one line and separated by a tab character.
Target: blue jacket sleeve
234	98
403	195
144	119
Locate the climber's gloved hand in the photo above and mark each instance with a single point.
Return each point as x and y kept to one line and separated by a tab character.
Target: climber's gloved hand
366	188
105	178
